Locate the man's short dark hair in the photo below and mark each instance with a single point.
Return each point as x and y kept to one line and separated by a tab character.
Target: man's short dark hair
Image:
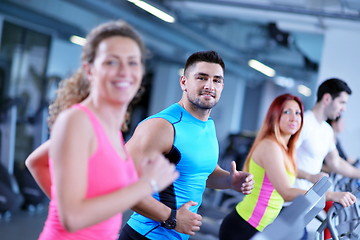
334	87
204	56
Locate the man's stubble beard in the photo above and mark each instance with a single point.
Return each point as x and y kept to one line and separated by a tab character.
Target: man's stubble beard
197	103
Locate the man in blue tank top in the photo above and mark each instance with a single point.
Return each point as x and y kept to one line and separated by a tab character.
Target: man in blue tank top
185	134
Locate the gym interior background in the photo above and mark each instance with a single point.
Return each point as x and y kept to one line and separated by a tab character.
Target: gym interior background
302	42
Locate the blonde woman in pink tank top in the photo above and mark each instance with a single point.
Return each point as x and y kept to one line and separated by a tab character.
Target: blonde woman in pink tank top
92	178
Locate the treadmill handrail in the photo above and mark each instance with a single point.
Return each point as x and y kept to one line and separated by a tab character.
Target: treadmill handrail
293	219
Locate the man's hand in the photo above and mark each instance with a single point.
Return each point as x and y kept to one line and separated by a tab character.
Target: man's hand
186	221
241	181
344	198
316	177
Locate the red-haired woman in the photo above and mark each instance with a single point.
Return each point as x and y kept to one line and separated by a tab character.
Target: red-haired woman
272	162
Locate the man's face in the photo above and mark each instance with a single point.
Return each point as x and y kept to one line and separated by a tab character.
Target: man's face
337	106
204	83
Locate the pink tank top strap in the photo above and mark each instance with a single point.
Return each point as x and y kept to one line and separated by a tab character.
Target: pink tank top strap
94	121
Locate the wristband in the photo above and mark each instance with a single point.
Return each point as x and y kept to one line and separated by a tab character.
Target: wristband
154	185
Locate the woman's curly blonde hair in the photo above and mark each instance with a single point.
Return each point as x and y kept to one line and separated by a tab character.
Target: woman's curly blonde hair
70	91
77	87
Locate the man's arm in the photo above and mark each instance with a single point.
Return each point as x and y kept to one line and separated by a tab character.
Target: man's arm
344	198
310	177
341	166
186	221
237	180
156	136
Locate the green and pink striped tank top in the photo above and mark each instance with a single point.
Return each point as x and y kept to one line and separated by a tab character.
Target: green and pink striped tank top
263	205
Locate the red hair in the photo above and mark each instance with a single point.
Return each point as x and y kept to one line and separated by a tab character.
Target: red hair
270	129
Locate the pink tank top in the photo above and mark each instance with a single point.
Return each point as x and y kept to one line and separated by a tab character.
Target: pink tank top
107	172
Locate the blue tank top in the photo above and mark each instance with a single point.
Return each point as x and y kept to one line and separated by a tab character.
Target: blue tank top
195	152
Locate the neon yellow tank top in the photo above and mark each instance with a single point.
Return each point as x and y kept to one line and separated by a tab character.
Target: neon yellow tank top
263	205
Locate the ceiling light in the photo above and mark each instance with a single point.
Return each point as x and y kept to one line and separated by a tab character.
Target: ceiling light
286	82
78	40
304	90
153	10
268	71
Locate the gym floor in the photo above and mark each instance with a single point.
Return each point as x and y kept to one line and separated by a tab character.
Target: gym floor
23	225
